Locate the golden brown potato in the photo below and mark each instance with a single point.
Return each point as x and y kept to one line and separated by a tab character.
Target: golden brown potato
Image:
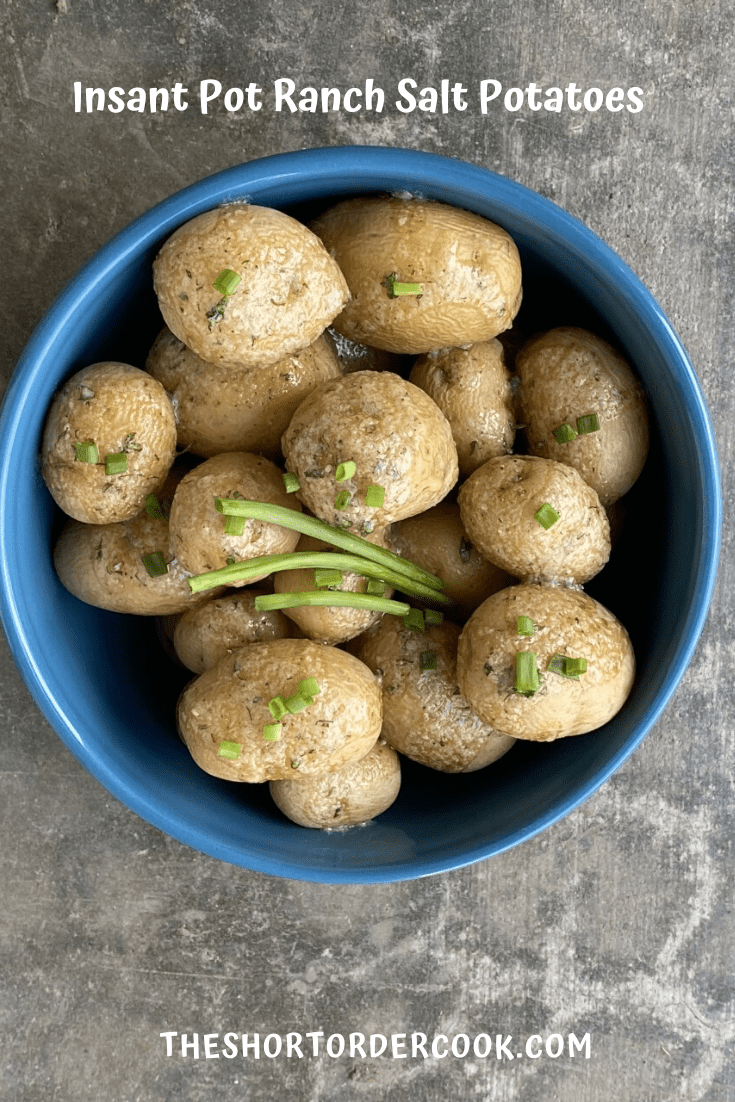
346	797
290	287
424	714
438	542
499	504
468	269
328	624
198	537
568	373
221	409
123	412
471	386
566	623
204	635
229	703
397	437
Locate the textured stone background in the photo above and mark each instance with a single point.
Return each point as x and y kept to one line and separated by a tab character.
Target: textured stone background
618	921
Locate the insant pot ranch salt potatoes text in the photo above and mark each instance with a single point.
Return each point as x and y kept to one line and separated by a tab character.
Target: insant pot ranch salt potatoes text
373	538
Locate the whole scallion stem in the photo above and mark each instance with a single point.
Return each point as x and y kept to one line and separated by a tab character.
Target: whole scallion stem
252	569
268	601
311	526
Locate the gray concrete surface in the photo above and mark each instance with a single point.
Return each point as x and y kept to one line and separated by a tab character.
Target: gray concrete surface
618	921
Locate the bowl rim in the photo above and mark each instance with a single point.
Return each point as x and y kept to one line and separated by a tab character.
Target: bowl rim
358	167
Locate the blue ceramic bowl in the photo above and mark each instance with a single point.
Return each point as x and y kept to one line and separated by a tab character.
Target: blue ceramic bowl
99	678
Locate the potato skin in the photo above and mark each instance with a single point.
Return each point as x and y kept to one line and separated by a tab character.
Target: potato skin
497	505
398	438
469	269
222	409
472	388
424	715
230	702
291	288
568	372
437	540
204	635
119	407
567	622
198	537
346	797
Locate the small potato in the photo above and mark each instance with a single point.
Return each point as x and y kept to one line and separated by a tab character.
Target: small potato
328	624
290	287
120	409
198	536
424	715
568	373
566	622
221	409
202	636
499	503
351	795
468	269
437	541
397	437
229	703
472	388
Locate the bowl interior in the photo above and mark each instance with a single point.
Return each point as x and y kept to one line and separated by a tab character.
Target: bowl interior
102	680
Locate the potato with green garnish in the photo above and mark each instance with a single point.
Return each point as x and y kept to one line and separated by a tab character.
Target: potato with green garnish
568	672
244	285
583	406
421	274
108	442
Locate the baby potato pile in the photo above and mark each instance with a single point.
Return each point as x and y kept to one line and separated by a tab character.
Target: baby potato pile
314	476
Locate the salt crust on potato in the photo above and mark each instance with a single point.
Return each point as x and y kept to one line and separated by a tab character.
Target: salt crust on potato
567	373
202	636
346	797
396	436
119	408
566	622
498	504
222	409
291	288
230	702
468	268
425	716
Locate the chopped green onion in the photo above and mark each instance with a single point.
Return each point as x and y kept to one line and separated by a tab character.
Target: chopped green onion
116	463
433	616
272	731
345	471
155	564
374	497
343	499
564	433
291	482
395	288
234	526
277	707
376	587
524	625
295	763
309	687
227	281
266	602
427	660
414	619
567	667
527	678
325	578
298	703
229	749
86	452
589	423
546	516
155	508
311	526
